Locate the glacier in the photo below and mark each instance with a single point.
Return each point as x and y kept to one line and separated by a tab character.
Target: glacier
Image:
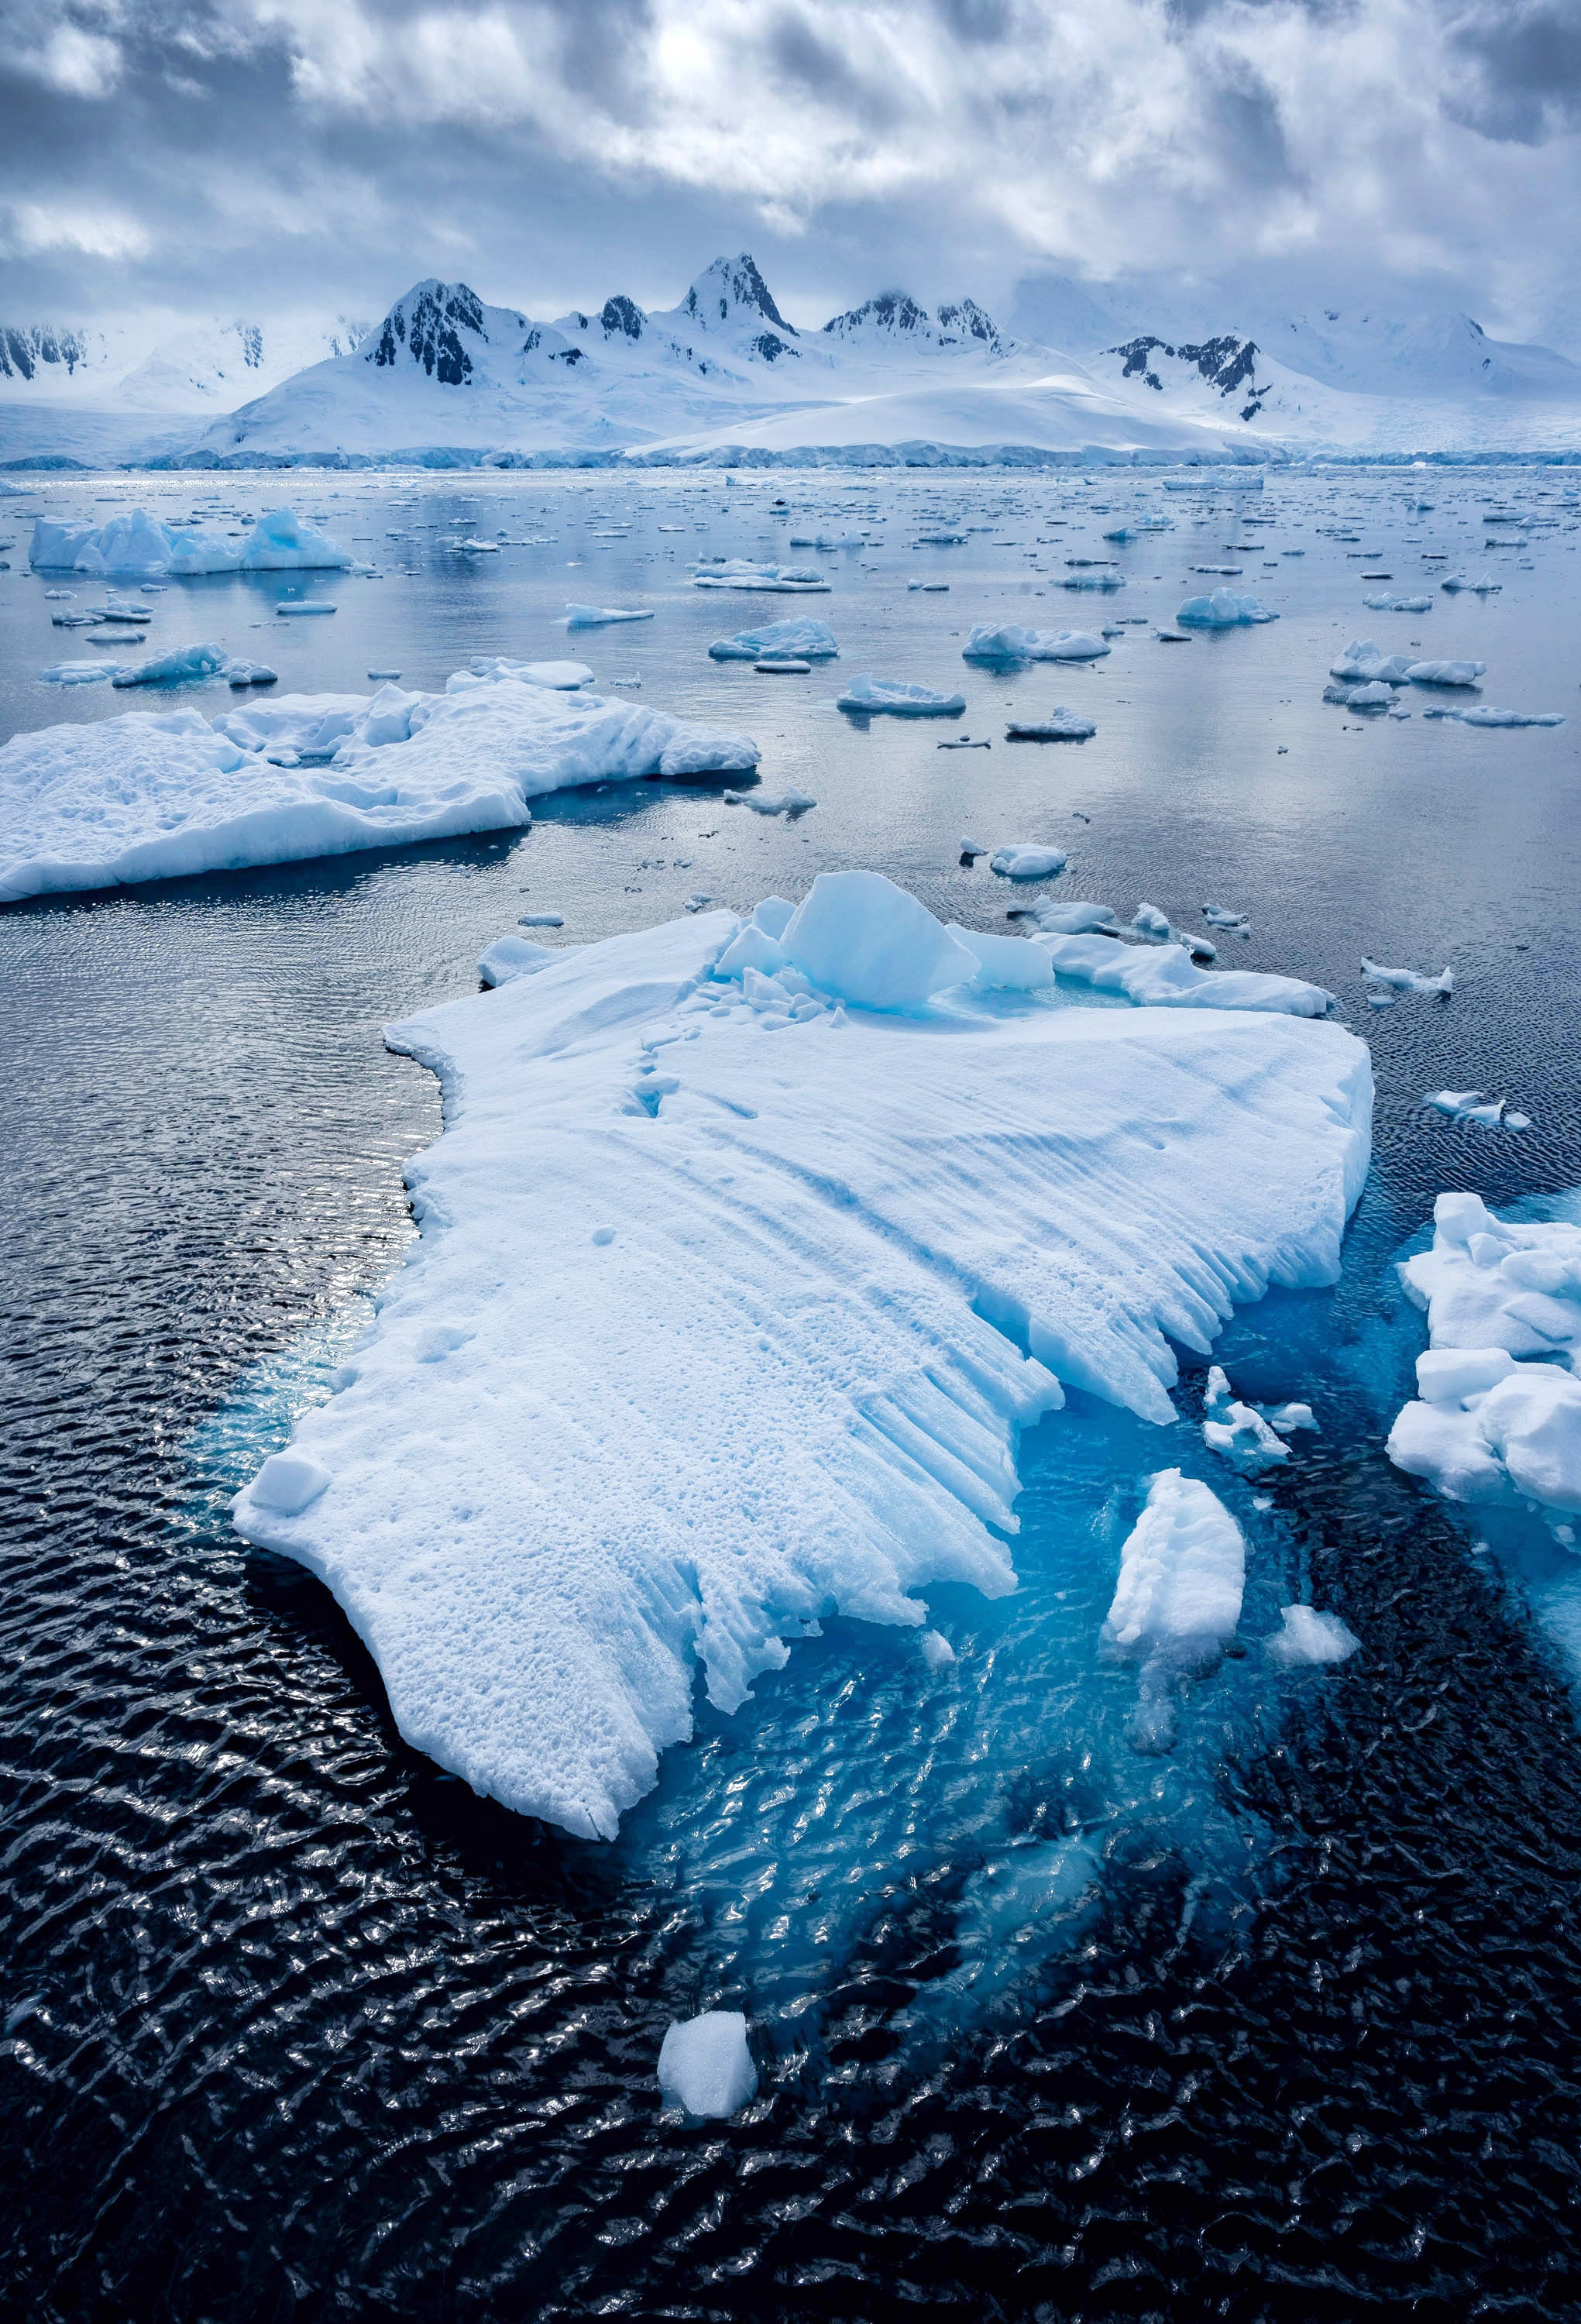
733	1292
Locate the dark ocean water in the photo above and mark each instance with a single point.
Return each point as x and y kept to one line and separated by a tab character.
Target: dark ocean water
295	2027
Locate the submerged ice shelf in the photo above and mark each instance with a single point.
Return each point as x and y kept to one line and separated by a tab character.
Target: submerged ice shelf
732	1297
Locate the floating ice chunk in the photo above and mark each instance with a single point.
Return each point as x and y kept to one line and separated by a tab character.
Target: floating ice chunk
1486	714
1446	673
239	673
1385	603
1287	1417
304	605
1310	1636
1375	695
1237	1431
140	797
1178	1599
1005	963
973	847
1061	725
822	1218
738	573
764	803
1009	641
510	956
1484	586
860	937
705	2066
871	695
1406	980
1364	662
595	617
288	1482
1226	609
828	540
1073	919
1148	921
1025	861
186	662
1471	1105
559	676
1233	923
1166	978
1093	581
808	639
936	1650
80	673
1488	1426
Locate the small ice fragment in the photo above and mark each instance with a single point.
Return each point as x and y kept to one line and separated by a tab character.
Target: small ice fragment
602	1235
936	1650
1310	1636
1022	861
704	2064
288	1481
541	920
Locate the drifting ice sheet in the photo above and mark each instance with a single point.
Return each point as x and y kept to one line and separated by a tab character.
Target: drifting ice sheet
152	797
718	1281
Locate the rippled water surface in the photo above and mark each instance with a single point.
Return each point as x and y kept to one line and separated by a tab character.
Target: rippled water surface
1280	2025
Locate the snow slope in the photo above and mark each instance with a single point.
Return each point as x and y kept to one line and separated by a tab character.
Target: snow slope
731	1298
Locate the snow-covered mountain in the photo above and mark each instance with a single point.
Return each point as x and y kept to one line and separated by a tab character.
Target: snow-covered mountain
161	365
725	373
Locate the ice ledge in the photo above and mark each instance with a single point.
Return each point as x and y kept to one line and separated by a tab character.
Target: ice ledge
723	1319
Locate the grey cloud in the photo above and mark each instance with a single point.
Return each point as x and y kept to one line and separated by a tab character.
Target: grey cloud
1525	62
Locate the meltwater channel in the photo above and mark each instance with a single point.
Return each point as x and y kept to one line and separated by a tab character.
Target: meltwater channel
1277	2025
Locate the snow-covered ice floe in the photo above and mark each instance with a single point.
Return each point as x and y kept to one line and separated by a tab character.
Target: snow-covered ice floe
900	700
1025	861
1166	977
1475	1106
1225	609
273	781
135	544
1487	713
1497	1416
802	639
1407	980
831	1225
1009	641
1384	604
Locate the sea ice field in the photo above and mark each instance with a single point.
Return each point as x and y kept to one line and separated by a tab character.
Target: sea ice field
868	1677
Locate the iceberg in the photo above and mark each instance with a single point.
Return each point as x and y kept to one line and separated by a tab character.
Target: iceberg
1009	641
147	797
182	664
135	544
802	639
901	701
1445	673
1226	609
1406	980
810	1274
1385	603
1364	662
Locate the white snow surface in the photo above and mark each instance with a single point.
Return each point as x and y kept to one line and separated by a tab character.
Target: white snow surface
742	1295
1497	1417
154	796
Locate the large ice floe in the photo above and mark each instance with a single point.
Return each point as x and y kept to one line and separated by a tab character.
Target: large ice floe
1223	609
153	797
135	544
1497	1415
748	1250
802	639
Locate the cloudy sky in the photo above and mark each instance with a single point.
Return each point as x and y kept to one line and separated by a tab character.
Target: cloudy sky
267	157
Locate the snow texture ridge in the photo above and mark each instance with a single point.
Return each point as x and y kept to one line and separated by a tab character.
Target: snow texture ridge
732	1296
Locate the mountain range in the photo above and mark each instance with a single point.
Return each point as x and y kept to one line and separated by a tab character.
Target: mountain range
445	378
